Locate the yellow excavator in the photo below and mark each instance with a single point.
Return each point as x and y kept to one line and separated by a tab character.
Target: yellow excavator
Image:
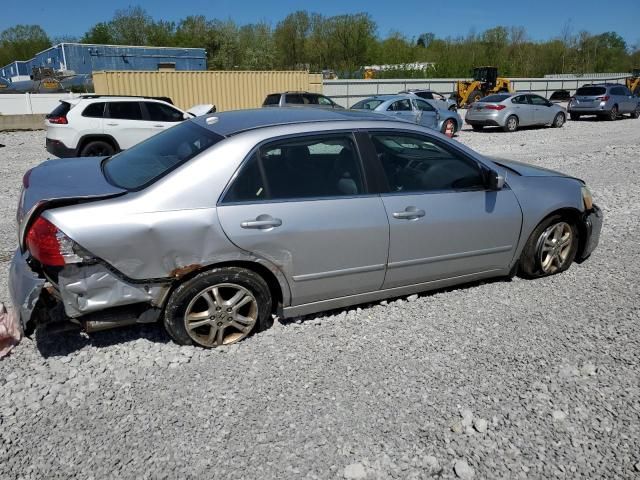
485	81
633	82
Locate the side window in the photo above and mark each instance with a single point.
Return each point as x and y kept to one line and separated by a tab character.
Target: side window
325	101
311	167
95	110
400	106
536	100
294	98
272	99
416	164
125	110
520	100
427	95
424	106
159	112
310	99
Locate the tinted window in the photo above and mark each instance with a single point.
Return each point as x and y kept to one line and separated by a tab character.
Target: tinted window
273	99
324	101
310	99
95	110
520	100
428	95
424	106
295	99
536	100
60	111
125	110
163	113
417	164
400	106
495	98
325	166
591	91
368	104
147	161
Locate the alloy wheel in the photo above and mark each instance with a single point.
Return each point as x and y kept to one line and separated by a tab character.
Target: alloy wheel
554	247
221	314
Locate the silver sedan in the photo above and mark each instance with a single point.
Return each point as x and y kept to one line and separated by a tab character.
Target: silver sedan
413	109
219	223
511	111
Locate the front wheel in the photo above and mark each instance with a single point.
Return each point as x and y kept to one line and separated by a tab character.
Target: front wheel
511	125
558	121
636	112
551	248
613	114
218	307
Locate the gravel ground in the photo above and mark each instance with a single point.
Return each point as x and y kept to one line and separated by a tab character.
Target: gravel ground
504	379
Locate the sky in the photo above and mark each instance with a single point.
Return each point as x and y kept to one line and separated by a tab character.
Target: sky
543	19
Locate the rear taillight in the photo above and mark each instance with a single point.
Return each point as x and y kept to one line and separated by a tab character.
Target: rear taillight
495	107
49	245
603	98
59	120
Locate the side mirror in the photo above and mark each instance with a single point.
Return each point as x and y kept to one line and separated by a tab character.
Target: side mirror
495	181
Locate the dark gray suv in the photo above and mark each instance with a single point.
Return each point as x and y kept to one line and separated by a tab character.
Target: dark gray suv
606	100
299	99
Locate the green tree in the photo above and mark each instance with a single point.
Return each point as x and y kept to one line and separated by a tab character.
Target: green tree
22	42
290	40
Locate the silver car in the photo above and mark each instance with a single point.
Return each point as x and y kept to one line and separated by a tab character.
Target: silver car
436	99
606	100
220	222
513	110
413	109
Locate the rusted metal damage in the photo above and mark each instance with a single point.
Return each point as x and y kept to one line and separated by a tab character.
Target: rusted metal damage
180	272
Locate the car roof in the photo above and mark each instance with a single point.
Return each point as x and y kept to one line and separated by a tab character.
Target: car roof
390	96
236	121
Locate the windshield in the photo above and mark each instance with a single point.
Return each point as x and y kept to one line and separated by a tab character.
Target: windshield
591	91
144	163
368	104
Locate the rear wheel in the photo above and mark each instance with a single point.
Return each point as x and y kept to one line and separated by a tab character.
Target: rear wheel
449	127
613	114
636	112
550	249
218	307
97	148
574	116
511	125
558	121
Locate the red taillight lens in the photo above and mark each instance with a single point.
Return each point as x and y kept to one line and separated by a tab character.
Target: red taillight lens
61	120
495	107
42	243
603	98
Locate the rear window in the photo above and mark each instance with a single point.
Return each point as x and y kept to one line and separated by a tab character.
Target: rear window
495	98
95	110
591	91
368	104
60	111
146	162
273	99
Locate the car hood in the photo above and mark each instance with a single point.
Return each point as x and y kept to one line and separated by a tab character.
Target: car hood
526	170
62	181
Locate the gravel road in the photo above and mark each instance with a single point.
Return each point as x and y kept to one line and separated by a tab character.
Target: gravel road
504	379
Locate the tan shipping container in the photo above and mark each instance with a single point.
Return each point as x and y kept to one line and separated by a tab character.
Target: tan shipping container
227	90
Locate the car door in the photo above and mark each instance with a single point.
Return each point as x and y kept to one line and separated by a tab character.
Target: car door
543	114
124	122
159	116
627	99
523	110
403	110
444	222
302	203
427	115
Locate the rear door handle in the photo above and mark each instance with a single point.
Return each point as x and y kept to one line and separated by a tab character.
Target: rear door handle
262	222
159	126
113	124
410	213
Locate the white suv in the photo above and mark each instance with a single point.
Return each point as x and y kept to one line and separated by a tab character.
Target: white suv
99	125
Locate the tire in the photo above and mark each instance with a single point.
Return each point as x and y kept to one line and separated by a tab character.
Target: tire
97	148
477	128
447	123
550	249
453	108
636	112
574	116
226	305
474	96
511	125
559	120
613	114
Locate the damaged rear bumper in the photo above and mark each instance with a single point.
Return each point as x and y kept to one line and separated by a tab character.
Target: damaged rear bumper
25	287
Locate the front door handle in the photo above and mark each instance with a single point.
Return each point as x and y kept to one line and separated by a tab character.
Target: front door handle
159	126
113	124
262	222
410	213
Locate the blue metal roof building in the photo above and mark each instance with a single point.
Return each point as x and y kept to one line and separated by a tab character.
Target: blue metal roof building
83	58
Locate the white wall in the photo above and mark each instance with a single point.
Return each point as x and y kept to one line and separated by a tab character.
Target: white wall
30	103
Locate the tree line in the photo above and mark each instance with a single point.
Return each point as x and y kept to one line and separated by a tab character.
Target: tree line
344	44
